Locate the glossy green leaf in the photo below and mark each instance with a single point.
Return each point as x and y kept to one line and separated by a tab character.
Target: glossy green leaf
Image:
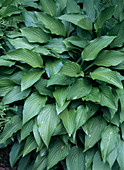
57	152
35	34
109	140
40	162
78	89
72	7
93	133
27	56
33	105
15	95
109	58
107	75
47	121
75	159
51	23
6	63
95	46
31	77
78	19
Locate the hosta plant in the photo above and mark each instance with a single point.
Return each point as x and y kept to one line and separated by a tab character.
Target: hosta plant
61	83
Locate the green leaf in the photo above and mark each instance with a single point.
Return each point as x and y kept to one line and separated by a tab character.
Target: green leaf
93	133
15	95
98	164
72	7
16	153
60	94
35	34
120	157
40	162
78	89
52	24
103	17
30	145
109	141
57	152
27	56
68	119
89	157
80	20
71	69
112	157
33	105
49	6
122	130
95	46
31	77
9	10
75	159
53	67
59	109
47	121
109	58
24	162
10	128
26	129
107	75
6	63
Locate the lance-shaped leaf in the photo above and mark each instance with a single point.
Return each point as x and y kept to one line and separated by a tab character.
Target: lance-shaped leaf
72	7
10	128
30	145
47	122
78	19
49	6
30	77
68	119
78	89
95	46
89	155
27	56
109	58
33	105
107	75
109	140
40	162
57	152
6	63
120	157
93	133
51	23
103	17
71	69
15	95
35	34
9	10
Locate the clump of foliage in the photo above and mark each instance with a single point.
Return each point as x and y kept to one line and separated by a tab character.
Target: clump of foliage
61	83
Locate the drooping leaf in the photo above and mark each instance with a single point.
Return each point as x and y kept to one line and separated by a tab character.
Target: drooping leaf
95	46
33	105
107	75
30	77
47	121
75	159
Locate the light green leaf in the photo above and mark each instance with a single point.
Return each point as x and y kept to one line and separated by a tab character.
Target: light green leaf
95	46
26	129
59	109
60	94
109	58
75	159
112	157
47	122
10	128
52	24
68	119
98	164
53	67
80	20
6	63
30	145
109	141
15	95
72	7
35	34
120	157
49	6
57	152
78	89
103	17
33	105
71	69
93	133
27	56
30	77
9	10
107	75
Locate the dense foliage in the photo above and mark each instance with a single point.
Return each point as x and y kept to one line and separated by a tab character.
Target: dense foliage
61	83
